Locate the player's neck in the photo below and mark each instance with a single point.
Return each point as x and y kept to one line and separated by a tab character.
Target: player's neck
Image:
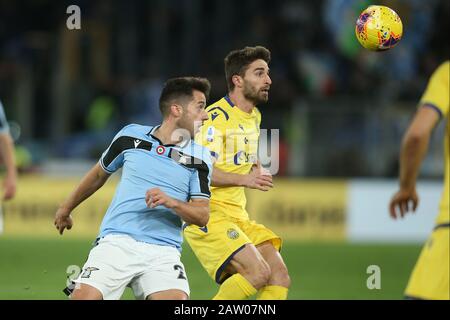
164	133
241	102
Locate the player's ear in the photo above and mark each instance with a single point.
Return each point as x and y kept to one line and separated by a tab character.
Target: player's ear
176	110
237	80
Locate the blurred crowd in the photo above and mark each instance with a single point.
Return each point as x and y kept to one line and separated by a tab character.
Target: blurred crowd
67	92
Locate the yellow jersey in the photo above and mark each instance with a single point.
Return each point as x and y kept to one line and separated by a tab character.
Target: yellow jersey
232	137
437	95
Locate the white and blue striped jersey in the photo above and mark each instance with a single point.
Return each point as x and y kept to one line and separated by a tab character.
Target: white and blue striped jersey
4	128
182	173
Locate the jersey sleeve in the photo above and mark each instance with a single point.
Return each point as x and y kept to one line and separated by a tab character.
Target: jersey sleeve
211	136
4	128
437	93
112	158
200	180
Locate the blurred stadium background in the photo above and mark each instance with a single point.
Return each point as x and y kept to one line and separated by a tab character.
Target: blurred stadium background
341	112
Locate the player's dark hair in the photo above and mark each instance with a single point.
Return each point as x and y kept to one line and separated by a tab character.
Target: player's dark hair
180	90
237	62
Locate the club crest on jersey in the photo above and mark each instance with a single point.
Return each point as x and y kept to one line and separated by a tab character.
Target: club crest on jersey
160	150
232	234
87	272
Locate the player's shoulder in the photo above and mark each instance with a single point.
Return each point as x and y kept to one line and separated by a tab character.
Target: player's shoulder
219	111
2	111
445	64
257	113
443	70
222	102
3	123
134	130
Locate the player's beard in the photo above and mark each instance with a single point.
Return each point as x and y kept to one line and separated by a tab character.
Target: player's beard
254	95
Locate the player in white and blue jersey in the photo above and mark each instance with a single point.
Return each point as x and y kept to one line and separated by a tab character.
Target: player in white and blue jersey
165	181
7	158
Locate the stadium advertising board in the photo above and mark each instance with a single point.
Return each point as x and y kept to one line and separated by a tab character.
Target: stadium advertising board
296	209
302	209
32	211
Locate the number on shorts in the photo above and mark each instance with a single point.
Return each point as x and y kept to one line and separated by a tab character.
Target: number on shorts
180	268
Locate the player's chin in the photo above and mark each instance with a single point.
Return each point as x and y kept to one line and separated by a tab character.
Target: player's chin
264	96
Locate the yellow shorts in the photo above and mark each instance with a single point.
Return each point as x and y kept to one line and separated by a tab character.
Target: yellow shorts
430	277
224	236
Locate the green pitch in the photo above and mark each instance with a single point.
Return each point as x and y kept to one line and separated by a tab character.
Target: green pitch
37	269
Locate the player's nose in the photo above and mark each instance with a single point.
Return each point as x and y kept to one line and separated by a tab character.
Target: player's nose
204	116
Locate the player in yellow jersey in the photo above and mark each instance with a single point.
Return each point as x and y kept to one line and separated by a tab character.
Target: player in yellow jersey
238	253
430	277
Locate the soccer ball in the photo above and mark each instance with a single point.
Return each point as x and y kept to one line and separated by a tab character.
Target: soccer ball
378	28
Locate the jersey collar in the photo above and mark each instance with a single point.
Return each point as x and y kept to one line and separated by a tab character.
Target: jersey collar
181	145
159	141
227	99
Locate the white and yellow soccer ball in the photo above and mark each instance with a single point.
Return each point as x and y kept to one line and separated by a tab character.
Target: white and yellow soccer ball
379	28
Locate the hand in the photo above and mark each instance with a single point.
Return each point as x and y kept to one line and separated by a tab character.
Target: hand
402	200
9	187
63	220
258	178
155	197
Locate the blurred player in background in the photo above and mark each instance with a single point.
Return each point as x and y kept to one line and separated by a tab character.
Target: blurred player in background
164	180
7	157
239	254
430	277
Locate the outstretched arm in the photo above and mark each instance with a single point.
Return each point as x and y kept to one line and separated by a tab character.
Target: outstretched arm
90	183
7	154
413	150
194	212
